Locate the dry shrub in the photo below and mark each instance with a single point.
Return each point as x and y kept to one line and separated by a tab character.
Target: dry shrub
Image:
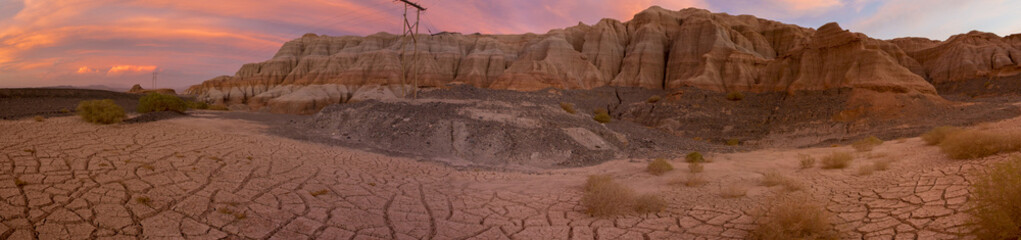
936	135
796	217
604	197
735	96
733	142
694	180
568	107
881	165
198	105
601	116
696	167
649	203
865	170
792	185
806	161
733	191
996	201
694	157
100	111
837	160
653	99
867	144
772	178
38	118
968	144
659	167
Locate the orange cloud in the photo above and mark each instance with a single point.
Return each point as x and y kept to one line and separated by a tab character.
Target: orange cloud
86	70
129	68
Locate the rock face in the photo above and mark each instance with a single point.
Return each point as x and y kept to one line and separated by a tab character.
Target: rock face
967	56
657	49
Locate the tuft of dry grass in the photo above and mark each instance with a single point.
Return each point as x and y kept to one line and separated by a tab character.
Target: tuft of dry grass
653	99
969	144
659	167
733	190
143	200
996	201
148	167
733	142
696	167
65	110
649	203
320	192
795	217
772	178
936	135
39	118
865	170
837	160
806	161
601	116
604	197
568	107
694	157
866	144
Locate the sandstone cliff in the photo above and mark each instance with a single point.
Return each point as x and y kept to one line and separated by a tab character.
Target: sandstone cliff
658	48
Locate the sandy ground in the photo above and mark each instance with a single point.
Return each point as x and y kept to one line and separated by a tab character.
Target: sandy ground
204	177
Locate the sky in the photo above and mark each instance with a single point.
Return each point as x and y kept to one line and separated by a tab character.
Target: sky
119	43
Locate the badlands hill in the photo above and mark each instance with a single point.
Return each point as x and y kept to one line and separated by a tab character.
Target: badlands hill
657	49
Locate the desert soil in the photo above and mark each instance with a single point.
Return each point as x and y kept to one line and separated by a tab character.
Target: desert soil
215	175
18	103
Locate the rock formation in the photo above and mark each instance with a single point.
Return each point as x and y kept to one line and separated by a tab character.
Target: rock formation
138	89
658	48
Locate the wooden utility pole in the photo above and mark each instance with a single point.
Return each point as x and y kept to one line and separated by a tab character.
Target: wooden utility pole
409	30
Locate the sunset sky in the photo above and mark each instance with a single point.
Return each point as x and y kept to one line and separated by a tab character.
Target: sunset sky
121	42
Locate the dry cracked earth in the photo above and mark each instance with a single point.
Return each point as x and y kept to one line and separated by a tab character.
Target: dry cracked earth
213	178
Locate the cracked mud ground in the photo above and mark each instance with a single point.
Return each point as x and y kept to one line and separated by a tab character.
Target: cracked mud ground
210	178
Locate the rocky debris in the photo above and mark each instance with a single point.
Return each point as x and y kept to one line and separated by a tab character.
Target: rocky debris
658	49
155	116
468	126
138	89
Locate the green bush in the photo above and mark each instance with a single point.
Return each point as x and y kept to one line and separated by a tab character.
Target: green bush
198	105
100	111
602	116
694	157
735	96
155	102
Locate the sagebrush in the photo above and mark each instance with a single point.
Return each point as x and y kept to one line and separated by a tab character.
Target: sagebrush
156	102
104	111
659	167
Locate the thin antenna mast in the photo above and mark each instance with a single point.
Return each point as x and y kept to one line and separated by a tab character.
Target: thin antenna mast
409	29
